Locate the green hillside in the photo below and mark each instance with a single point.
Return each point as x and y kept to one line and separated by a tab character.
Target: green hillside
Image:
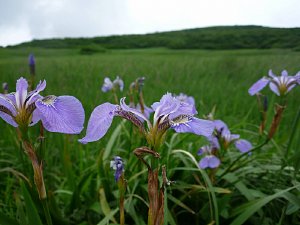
226	37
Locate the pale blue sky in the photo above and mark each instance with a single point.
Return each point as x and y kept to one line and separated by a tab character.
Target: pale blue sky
22	20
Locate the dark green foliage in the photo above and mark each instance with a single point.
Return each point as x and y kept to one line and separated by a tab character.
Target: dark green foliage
231	37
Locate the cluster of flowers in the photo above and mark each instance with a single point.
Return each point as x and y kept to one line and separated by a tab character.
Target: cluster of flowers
65	114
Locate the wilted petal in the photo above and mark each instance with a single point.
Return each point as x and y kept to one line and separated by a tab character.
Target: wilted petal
259	85
194	125
21	91
63	114
243	145
99	122
274	88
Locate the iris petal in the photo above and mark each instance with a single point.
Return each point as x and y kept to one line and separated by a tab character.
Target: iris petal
99	122
274	88
8	105
259	85
196	126
21	91
243	145
63	114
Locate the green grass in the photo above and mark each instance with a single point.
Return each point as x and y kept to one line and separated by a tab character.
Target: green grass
74	173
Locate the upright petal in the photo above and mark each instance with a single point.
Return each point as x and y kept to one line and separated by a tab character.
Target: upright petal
284	73
34	95
194	125
220	125
63	114
107	85
274	88
21	92
243	145
259	85
132	110
167	105
99	122
271	74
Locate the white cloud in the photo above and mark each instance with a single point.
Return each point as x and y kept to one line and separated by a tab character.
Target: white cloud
24	20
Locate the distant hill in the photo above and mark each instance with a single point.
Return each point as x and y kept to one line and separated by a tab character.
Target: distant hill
222	37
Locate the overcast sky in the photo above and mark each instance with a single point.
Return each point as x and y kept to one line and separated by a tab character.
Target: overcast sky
24	20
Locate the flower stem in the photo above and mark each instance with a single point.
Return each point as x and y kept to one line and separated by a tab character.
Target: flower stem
46	211
294	128
241	156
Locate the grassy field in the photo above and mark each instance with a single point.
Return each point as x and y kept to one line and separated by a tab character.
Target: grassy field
77	175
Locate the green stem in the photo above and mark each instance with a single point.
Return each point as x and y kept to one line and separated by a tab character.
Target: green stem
241	156
295	125
46	211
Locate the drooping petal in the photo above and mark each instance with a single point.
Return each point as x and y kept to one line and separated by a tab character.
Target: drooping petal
259	85
7	110
209	161
99	122
194	125
220	125
204	162
21	91
8	119
63	114
214	162
243	145
35	117
274	88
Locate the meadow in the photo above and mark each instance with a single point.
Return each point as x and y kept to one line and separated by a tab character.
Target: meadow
261	188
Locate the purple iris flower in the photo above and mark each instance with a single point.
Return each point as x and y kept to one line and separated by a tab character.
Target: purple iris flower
117	164
223	137
169	112
184	98
63	114
109	85
209	160
280	85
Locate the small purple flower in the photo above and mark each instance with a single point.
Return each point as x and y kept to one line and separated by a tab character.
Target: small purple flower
5	87
224	138
63	114
280	85
117	164
209	160
31	60
109	85
184	98
169	112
